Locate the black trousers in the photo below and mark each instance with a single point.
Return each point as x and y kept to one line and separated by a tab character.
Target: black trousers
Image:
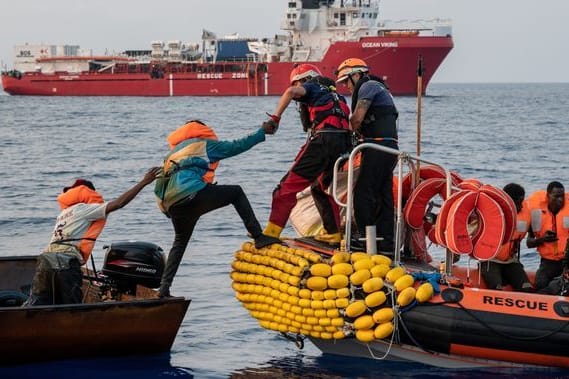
58	280
546	271
186	214
314	167
373	195
498	275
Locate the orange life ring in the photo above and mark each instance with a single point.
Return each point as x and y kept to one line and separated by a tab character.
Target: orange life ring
494	212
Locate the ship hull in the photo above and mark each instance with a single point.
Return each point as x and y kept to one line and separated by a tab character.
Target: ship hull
473	327
395	59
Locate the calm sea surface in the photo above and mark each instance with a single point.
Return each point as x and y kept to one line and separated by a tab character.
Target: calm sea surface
498	133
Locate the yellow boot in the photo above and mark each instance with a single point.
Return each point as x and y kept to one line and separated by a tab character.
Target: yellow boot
273	230
332	238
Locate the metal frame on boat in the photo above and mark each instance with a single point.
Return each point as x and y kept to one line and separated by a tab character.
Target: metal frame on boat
466	325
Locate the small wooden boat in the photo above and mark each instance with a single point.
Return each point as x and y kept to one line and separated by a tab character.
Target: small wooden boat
119	316
402	308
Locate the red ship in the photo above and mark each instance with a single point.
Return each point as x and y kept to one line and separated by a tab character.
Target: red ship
320	32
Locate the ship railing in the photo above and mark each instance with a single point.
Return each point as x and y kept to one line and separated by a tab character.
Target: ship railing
403	159
107	67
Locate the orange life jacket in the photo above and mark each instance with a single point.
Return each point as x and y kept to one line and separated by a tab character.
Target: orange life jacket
192	129
84	194
509	249
543	220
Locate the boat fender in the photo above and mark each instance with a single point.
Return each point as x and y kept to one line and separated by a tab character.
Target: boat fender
329	304
318	295
394	274
561	308
293	291
332	313
317	304
321	269
364	322
338	322
383	330
305	293
317	283
341	258
424	292
383	315
379	271
403	282
406	296
359	277
354	257
372	285
375	299
342	303
343	292
326	335
342	269
355	309
363	264
452	295
379	259
432	277
337	282
338	335
365	335
330	294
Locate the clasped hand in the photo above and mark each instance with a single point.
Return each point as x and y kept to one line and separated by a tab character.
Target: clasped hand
272	124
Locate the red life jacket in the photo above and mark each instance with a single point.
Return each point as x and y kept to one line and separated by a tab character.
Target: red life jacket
335	113
509	249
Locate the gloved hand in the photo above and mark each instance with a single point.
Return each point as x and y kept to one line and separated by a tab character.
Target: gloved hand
272	124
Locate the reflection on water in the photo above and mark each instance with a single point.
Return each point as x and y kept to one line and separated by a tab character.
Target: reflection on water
333	367
147	367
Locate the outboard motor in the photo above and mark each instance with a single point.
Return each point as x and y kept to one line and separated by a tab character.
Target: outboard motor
133	263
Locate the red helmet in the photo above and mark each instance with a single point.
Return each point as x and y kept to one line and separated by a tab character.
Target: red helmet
303	71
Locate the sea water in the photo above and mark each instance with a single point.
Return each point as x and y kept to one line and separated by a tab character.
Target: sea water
497	133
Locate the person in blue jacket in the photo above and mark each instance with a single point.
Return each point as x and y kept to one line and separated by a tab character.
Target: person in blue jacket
186	190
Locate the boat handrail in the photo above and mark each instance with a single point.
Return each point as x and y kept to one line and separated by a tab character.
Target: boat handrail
402	157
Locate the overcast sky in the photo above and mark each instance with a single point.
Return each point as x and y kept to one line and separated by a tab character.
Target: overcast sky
495	40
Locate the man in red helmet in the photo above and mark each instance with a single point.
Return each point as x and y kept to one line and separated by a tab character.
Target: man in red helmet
373	119
325	114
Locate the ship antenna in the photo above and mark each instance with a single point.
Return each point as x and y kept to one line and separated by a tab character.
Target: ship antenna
419	98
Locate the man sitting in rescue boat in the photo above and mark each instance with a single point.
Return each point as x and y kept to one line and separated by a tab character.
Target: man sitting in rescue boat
560	284
506	267
549	230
